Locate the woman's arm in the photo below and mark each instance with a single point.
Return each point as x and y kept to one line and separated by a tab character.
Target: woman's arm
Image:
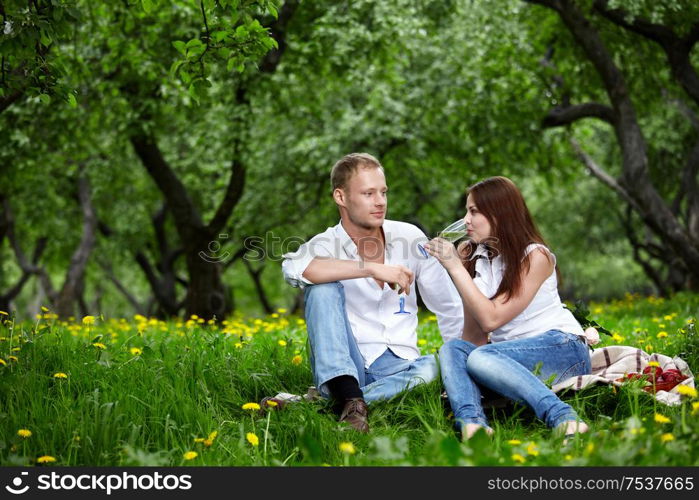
472	330
491	314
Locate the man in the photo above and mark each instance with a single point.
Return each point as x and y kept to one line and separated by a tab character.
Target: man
362	333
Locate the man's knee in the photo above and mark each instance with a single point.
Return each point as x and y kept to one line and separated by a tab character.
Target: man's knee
323	292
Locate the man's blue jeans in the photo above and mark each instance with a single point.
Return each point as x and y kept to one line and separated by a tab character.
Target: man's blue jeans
334	350
515	369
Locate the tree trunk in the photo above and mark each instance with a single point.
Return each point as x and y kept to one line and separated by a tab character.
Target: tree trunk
65	300
206	294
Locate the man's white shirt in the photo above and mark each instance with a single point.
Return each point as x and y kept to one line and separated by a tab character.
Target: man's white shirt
371	309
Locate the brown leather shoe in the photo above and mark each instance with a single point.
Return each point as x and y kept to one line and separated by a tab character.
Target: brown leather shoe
356	414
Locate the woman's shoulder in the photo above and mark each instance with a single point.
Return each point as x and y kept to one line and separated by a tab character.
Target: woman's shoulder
543	251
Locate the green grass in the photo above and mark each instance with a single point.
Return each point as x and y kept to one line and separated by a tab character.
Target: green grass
118	407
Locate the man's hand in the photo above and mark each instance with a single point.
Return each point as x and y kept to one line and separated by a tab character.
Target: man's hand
394	275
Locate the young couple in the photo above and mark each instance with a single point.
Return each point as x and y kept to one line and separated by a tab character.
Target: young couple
496	301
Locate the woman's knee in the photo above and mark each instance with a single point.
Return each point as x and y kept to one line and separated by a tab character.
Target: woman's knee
480	363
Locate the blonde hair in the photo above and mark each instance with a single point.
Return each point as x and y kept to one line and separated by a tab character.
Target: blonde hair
348	165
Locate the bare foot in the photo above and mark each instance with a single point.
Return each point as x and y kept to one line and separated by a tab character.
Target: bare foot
469	430
572	427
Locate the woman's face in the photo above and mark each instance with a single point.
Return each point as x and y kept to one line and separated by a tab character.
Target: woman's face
477	224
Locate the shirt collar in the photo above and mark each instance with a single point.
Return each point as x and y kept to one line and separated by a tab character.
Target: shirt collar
481	251
350	247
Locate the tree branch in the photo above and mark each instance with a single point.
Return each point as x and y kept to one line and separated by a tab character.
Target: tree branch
278	30
179	203
676	48
234	191
564	116
107	268
601	174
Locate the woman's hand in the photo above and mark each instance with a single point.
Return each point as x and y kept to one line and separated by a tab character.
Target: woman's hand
444	252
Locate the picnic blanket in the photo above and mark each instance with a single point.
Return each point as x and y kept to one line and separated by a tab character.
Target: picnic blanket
614	362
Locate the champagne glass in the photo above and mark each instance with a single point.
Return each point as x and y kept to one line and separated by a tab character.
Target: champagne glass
452	233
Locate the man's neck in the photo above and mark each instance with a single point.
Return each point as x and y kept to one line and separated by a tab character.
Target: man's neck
357	233
369	241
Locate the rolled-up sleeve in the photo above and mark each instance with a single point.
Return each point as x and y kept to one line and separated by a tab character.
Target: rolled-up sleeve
441	297
295	263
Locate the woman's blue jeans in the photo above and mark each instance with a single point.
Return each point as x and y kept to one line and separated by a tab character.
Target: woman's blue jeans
515	369
334	350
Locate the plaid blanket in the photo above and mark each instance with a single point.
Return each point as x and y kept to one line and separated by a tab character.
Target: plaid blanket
611	363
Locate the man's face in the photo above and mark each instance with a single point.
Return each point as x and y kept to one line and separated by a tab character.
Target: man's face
364	198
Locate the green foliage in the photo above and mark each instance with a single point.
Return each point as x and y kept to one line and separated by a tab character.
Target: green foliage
153	391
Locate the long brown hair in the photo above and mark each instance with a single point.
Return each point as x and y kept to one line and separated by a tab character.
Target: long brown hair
512	230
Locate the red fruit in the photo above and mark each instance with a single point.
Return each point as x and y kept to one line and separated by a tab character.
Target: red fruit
653	371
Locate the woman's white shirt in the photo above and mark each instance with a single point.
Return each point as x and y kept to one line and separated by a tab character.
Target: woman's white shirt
545	312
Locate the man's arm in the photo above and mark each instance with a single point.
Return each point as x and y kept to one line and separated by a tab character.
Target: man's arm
326	270
441	297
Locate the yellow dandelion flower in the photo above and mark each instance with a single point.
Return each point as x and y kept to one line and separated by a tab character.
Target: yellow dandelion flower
89	320
12	358
568	457
199	440
617	338
3	313
421	342
668	317
590	448
60	375
140	318
3	362
212	435
282	343
686	390
667	437
649	348
135	351
296	360
190	455
662	334
281	310
271	403
274	315
252	439
208	442
531	449
251	406
99	345
45	309
514	442
653	363
24	433
518	458
347	448
45	459
695	407
661	419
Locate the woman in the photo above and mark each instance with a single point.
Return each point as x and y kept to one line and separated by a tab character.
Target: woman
507	280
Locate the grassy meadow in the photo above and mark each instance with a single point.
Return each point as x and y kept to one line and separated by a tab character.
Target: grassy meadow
105	391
